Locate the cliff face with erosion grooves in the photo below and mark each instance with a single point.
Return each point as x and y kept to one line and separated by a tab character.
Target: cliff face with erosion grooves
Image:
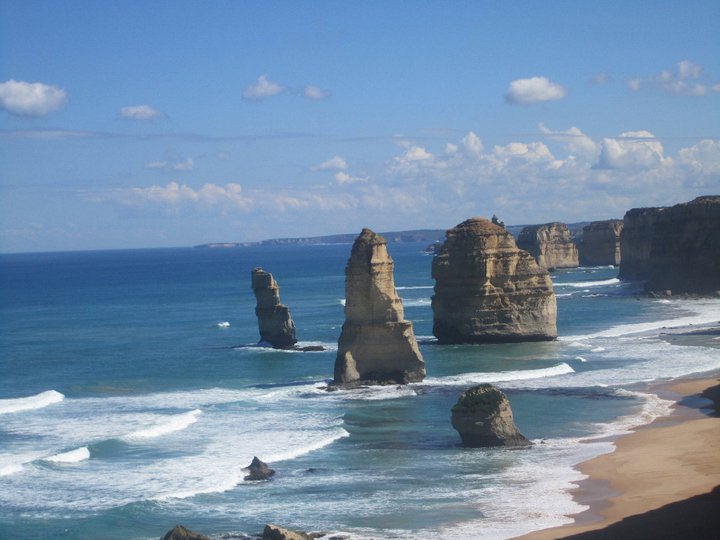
550	244
377	345
675	248
601	243
274	321
489	291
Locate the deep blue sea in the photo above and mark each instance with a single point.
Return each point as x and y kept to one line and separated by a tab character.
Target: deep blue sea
133	393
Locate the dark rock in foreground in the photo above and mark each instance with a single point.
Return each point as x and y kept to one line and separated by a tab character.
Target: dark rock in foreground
489	291
258	470
482	417
273	532
674	249
181	533
377	345
601	243
274	321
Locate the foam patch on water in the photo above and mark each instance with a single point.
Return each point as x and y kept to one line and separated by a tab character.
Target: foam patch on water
416	302
38	401
73	456
223	324
173	423
585	284
413	287
501	376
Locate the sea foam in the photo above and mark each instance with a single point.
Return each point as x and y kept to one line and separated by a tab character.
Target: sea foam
173	423
73	456
585	284
500	376
38	401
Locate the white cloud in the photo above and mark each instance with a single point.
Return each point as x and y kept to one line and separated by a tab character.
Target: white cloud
533	90
184	165
632	149
688	79
263	88
334	163
703	157
341	177
315	93
140	112
576	142
634	84
30	99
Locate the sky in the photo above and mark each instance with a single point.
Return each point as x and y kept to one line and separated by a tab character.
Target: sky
133	124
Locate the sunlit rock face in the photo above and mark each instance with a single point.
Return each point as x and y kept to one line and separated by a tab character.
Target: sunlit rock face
489	291
550	244
377	345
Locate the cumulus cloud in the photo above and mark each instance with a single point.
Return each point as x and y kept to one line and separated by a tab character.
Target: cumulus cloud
140	112
632	149
533	90
182	165
703	157
334	163
262	89
688	79
341	177
22	98
315	93
575	141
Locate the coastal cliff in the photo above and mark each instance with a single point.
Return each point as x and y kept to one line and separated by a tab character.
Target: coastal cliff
550	244
377	345
674	248
601	243
274	321
487	290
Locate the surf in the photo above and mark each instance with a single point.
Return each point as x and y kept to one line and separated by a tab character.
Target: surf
30	403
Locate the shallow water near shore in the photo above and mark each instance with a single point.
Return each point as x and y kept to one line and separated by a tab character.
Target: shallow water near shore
133	393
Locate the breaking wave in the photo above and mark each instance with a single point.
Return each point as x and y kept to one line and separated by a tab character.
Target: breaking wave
500	376
73	456
173	423
38	401
584	284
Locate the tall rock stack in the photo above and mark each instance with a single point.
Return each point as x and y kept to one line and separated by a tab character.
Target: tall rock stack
489	291
601	243
674	249
550	244
274	321
377	345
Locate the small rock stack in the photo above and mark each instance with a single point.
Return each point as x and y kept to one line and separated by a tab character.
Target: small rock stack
274	321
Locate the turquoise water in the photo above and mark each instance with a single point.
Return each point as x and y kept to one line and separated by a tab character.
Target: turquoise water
127	405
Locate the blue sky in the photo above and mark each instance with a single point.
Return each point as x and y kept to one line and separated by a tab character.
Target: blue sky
140	124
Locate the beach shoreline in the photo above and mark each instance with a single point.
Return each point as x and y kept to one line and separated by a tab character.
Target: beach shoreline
668	462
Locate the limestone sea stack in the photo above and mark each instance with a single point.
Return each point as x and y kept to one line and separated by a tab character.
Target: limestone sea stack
274	321
377	345
601	243
489	291
482	417
551	244
674	249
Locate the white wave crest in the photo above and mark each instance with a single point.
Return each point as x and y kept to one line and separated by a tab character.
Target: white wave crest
7	470
412	287
416	302
293	453
38	401
73	456
173	423
223	324
584	284
501	376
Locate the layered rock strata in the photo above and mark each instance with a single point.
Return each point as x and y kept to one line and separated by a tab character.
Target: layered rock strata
489	291
551	244
274	321
601	243
675	248
377	345
482	417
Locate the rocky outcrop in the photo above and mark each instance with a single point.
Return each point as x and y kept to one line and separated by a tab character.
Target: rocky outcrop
181	533
273	532
258	471
377	345
601	243
482	417
274	321
487	290
550	244
675	248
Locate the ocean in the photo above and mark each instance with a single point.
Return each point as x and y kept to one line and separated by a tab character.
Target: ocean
133	393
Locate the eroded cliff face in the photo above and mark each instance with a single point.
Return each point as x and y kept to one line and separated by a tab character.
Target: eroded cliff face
377	344
550	244
274	321
601	243
487	290
675	248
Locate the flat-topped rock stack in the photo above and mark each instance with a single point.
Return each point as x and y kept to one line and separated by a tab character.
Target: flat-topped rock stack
551	244
377	345
674	249
489	291
601	243
274	321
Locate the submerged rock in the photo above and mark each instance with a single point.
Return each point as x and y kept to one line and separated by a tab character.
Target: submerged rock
377	345
258	470
274	321
601	243
181	533
273	532
482	417
675	248
550	244
489	291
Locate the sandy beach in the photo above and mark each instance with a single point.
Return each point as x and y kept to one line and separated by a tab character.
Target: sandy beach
659	481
